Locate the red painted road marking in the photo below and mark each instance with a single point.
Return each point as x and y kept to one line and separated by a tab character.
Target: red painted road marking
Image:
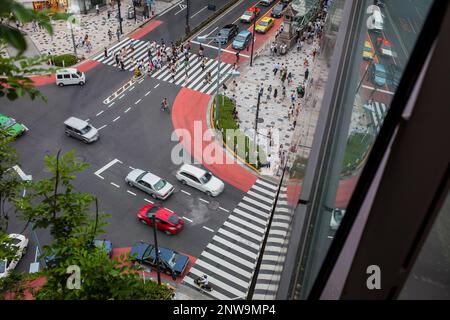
50	79
190	106
261	39
146	29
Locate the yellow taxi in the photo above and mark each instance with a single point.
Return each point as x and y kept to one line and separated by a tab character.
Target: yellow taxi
265	24
368	52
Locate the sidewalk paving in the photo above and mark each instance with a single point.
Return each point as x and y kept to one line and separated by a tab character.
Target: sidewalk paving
95	26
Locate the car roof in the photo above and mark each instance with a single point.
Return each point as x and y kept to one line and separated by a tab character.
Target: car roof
164	214
66	70
379	67
252	9
76	123
150	178
197	172
244	32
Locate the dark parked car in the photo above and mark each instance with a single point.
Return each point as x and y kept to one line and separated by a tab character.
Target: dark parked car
277	11
227	33
171	262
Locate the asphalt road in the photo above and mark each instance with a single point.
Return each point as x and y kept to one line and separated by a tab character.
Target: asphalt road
137	133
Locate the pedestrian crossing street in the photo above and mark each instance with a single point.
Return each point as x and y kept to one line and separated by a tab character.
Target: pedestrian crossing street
195	78
378	112
229	260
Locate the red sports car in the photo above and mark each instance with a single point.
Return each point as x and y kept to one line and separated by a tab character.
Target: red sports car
166	220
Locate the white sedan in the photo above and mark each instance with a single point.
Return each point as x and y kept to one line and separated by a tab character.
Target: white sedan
200	179
21	243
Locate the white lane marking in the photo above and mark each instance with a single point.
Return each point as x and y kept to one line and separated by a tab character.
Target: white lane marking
185	192
211	31
102	127
169	9
115	185
141	80
147	93
378	90
149	201
106	167
111	105
132	193
183	7
168	209
121	96
209	229
99	113
157	86
187	219
127	110
203	200
131	168
137	101
330	237
131	89
224	209
87	120
116	119
206	7
225	50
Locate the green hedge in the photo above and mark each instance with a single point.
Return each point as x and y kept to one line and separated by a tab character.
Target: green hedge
69	60
226	121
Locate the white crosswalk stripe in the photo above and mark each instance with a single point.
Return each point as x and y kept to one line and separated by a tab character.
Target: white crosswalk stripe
377	111
229	260
196	76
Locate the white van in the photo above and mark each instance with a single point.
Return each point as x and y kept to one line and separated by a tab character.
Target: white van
81	130
70	76
200	179
375	20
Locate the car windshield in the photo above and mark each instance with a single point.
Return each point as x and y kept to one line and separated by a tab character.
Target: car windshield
159	185
151	211
172	261
240	38
86	129
14	241
7	123
380	73
224	32
248	13
2	266
263	23
174	219
206	177
79	74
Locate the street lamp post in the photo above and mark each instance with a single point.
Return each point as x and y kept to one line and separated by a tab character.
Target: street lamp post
73	39
253	37
120	16
203	39
158	271
188	28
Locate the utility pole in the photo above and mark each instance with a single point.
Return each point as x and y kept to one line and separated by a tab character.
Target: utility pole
73	39
158	271
188	28
253	36
120	17
256	124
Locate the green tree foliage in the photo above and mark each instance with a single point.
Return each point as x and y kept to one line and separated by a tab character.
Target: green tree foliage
15	71
9	186
54	203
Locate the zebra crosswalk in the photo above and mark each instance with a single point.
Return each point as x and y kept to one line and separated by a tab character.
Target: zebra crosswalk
191	75
230	258
378	111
